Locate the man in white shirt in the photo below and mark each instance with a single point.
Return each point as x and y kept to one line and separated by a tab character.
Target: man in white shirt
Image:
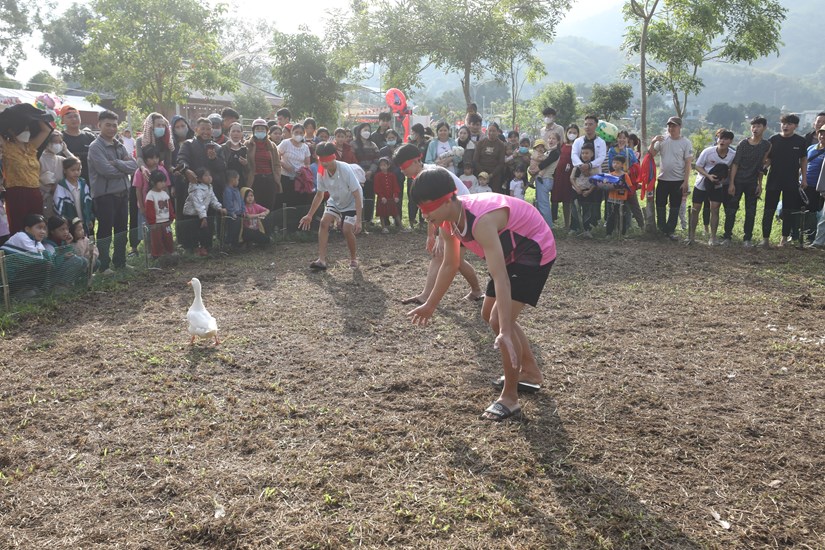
676	156
710	185
594	166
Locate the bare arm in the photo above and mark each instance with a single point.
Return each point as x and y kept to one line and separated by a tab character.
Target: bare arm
446	273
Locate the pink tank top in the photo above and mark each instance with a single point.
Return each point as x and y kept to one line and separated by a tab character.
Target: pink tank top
526	239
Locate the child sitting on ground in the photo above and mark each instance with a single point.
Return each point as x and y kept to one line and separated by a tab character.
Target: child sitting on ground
27	263
482	187
387	193
233	202
468	178
518	185
196	234
68	267
81	244
253	220
159	214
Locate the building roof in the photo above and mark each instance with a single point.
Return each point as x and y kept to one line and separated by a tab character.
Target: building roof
9	96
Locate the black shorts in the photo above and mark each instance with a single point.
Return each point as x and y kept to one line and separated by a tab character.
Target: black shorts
526	282
714	195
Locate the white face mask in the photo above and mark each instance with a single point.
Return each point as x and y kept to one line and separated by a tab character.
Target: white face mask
548	120
365	134
298	138
24	137
56	147
571	136
216	132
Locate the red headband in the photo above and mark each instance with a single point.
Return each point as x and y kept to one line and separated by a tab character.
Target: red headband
430	206
408	163
327	158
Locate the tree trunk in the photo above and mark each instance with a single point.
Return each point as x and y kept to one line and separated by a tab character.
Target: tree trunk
513	89
465	85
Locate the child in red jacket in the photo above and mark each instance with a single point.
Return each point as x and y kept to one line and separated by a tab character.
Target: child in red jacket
159	215
387	195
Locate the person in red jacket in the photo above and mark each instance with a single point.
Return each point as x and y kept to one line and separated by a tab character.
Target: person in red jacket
343	150
387	195
159	214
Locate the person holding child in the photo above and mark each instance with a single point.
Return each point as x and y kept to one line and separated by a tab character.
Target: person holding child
543	164
485	224
587	196
440	150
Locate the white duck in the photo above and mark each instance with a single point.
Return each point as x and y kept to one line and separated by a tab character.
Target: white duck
201	323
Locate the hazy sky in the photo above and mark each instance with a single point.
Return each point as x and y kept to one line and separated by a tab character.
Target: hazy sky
287	15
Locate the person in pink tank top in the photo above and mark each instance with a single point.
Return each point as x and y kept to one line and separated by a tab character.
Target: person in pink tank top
511	235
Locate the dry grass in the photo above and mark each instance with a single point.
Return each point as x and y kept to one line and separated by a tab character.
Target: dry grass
678	382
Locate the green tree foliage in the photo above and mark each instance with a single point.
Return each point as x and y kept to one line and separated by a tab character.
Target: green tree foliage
685	34
610	101
560	96
15	25
309	81
246	44
8	82
149	53
63	39
467	37
45	82
726	115
251	103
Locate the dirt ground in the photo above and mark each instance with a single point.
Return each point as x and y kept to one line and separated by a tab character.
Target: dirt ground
679	383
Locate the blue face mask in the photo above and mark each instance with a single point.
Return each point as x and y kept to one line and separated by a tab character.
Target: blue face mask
260	135
159	132
523	150
391	142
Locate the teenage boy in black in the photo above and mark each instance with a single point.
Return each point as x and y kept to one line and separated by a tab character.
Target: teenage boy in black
746	179
788	157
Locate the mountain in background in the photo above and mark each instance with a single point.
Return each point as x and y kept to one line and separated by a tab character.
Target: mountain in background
588	52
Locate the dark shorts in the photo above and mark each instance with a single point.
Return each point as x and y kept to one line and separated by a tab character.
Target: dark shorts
714	195
526	282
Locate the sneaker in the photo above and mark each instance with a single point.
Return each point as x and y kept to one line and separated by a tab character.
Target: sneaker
725	242
766	243
407	230
689	242
747	244
713	242
815	246
108	272
587	235
673	237
385	230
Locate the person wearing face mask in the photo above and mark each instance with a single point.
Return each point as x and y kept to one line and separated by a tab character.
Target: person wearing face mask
181	131
379	136
51	170
550	125
393	142
235	151
158	133
367	154
217	128
22	130
264	167
294	155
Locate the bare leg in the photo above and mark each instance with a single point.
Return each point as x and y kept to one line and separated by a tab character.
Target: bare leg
192	341
527	370
714	219
323	237
469	274
349	235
